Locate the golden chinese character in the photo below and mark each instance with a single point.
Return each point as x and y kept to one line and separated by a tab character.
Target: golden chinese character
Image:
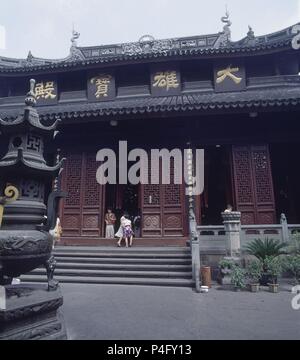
167	79
102	83
45	90
228	72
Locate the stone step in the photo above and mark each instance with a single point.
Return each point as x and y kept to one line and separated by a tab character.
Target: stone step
116	254
113	260
135	249
115	273
128	267
113	280
168	266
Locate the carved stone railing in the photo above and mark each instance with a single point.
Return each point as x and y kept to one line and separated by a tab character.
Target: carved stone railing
276	232
214	239
193	233
195	250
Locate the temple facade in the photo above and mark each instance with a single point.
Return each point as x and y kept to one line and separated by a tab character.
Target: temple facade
239	101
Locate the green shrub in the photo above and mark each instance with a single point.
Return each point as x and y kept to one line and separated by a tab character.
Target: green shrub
226	264
267	248
273	266
254	271
238	277
294	246
292	265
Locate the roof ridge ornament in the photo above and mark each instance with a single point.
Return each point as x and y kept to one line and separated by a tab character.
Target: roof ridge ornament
251	39
75	53
224	36
30	99
250	33
226	20
75	36
30	57
146	38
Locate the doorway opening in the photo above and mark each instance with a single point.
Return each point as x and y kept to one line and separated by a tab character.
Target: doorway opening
286	179
217	185
123	199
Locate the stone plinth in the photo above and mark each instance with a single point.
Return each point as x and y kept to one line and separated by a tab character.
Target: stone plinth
232	224
31	313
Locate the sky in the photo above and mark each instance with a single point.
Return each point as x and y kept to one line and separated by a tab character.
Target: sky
45	27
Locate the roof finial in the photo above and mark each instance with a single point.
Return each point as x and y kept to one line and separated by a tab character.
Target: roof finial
75	36
226	29
250	33
29	56
225	19
31	98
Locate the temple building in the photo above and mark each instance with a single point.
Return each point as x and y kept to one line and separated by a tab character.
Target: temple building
237	100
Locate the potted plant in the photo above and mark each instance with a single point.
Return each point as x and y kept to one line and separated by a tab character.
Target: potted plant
294	246
291	264
225	268
238	278
274	269
263	249
254	272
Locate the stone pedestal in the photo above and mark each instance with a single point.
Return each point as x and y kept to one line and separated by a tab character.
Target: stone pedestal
31	313
232	224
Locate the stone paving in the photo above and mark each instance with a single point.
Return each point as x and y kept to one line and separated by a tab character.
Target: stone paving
106	312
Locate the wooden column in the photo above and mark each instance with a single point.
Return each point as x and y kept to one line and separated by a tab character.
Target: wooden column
253	184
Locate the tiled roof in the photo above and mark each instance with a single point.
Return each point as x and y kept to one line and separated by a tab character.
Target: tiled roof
149	49
202	102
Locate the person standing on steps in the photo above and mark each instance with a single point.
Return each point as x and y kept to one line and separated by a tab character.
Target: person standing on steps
120	233
127	230
110	220
56	232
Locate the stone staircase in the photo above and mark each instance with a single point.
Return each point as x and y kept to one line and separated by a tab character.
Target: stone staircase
165	266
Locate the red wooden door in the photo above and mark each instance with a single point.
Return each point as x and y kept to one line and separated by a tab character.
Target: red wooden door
253	184
163	209
82	213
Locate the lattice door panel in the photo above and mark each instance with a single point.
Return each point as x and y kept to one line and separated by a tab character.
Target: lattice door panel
83	207
92	202
151	196
163	209
72	178
253	185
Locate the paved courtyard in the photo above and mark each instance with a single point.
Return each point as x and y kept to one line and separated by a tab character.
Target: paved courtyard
104	312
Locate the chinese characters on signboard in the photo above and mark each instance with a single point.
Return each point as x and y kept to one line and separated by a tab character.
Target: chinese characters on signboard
101	87
229	77
46	92
165	82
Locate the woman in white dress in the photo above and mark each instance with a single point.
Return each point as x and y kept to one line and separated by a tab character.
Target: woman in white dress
120	232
